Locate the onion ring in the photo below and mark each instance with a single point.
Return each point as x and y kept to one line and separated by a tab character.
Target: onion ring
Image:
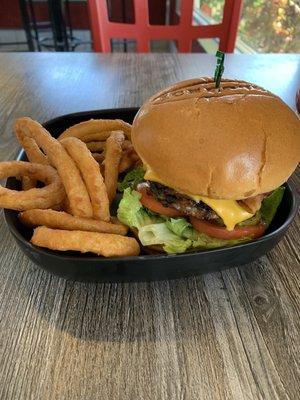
128	159
99	157
50	195
62	220
96	126
126	162
34	155
95	146
112	159
106	244
75	188
32	150
91	175
127	143
96	137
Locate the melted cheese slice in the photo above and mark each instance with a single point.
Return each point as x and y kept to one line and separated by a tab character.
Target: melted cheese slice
229	210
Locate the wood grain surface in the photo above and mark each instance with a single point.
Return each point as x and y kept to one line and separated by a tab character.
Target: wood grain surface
228	335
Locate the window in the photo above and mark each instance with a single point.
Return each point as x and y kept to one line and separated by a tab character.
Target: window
266	26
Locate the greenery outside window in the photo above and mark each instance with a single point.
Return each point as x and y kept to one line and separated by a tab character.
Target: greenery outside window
266	26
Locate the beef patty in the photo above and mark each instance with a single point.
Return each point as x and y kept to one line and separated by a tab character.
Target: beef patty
169	197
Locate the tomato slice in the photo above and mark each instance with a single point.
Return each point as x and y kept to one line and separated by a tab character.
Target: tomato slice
221	232
154	205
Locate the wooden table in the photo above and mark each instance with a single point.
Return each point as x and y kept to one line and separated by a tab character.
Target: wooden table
228	335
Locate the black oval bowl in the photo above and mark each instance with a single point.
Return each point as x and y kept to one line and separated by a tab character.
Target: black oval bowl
87	267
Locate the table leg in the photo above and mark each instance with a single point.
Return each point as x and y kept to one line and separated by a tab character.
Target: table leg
26	24
58	26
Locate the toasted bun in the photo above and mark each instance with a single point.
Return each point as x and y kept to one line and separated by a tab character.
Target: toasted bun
230	144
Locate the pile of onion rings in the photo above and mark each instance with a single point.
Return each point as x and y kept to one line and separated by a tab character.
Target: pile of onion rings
79	171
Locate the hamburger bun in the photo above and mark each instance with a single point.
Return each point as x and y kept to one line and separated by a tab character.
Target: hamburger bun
231	143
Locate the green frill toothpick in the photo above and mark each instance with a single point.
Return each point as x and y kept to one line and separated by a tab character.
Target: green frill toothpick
219	68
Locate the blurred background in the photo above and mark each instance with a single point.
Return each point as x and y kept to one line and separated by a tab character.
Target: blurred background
263	26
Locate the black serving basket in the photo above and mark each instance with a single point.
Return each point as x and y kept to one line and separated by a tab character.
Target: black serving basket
88	267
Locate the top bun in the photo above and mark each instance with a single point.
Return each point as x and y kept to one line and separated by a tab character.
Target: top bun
231	143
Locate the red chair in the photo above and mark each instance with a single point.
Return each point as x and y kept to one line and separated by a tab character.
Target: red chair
184	33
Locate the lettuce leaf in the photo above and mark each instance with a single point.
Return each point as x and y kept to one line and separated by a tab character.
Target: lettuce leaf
132	179
270	204
207	242
132	213
179	226
160	234
184	229
152	228
176	235
256	219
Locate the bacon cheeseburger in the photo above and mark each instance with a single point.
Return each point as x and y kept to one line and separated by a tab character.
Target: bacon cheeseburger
213	165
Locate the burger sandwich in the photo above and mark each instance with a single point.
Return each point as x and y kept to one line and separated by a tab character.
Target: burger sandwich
213	164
